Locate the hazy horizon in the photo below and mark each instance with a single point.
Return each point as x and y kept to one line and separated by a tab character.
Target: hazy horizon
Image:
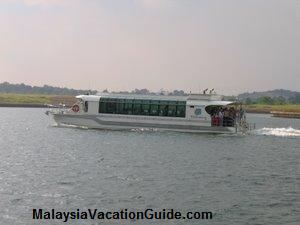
233	46
153	91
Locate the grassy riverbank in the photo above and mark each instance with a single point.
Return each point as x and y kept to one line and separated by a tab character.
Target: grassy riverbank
23	100
259	108
34	99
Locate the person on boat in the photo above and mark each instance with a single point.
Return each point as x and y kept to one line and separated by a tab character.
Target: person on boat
232	115
215	120
225	117
221	115
242	114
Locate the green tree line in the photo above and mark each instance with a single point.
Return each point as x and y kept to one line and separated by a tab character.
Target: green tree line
6	87
279	100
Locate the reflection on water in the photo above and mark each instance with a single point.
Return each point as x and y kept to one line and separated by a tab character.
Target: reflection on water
243	179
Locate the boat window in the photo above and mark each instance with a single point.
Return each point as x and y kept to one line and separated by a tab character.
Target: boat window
120	106
163	108
153	110
137	107
111	107
128	107
145	107
180	111
172	110
102	107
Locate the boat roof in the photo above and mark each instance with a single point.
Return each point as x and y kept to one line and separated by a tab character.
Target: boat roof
191	99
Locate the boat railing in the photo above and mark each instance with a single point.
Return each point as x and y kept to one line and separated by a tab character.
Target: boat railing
56	109
244	127
252	126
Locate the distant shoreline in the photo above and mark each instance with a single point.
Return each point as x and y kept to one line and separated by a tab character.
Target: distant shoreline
18	105
258	108
34	100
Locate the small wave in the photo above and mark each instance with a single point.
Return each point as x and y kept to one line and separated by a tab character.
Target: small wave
279	132
144	129
69	126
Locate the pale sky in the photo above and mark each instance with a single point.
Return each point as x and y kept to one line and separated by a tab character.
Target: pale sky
230	45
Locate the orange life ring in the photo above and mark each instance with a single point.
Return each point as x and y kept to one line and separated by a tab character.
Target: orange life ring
75	108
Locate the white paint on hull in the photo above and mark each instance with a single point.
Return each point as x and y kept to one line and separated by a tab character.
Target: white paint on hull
98	122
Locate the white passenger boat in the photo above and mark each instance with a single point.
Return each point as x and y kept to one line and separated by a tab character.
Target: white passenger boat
198	113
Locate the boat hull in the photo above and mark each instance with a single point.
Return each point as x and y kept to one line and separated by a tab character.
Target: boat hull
115	122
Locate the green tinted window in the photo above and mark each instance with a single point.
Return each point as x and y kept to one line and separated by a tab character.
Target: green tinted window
103	99
153	110
180	112
128	108
137	107
163	109
120	108
172	110
111	107
142	107
102	107
145	107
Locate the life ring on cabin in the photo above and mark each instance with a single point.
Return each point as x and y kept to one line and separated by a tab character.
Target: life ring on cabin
75	108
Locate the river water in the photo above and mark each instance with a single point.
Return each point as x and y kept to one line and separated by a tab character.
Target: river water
242	179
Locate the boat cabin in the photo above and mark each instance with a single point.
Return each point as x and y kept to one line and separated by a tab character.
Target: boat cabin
207	109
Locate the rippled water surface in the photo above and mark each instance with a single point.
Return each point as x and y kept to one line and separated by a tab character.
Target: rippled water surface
250	179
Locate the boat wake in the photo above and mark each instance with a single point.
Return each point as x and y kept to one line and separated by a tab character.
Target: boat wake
69	126
279	132
144	129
